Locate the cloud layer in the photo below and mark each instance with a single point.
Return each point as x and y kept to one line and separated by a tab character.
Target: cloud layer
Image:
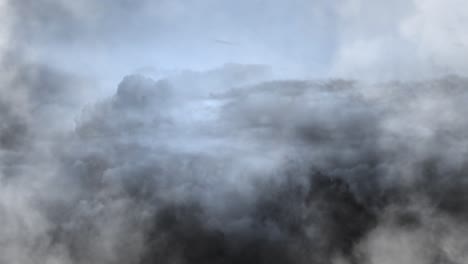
272	172
249	162
348	38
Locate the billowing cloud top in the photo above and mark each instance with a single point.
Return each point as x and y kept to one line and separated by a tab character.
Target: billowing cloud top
121	141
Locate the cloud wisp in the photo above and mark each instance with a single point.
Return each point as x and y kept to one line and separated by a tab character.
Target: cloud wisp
253	161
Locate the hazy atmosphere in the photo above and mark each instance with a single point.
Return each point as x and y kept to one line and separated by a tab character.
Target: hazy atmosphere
233	132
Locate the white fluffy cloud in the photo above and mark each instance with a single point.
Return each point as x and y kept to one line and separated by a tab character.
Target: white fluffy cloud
401	39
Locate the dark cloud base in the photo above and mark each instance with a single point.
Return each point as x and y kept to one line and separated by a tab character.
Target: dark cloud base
274	172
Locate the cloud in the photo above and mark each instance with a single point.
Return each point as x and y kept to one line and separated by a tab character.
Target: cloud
242	163
280	171
400	40
350	38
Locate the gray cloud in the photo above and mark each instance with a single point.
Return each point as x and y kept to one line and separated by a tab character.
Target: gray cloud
336	175
234	164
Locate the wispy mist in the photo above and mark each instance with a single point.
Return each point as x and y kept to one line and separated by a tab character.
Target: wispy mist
233	132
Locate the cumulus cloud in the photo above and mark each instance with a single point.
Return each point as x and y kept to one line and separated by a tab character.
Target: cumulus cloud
182	162
273	172
400	39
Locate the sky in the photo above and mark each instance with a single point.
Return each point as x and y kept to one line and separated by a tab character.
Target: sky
344	38
212	131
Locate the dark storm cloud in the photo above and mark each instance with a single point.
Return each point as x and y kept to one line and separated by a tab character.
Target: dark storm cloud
230	165
291	171
329	178
31	97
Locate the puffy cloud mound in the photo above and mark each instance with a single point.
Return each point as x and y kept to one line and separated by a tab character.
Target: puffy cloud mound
279	171
256	161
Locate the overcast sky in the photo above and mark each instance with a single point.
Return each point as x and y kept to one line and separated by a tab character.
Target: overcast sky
343	38
209	155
